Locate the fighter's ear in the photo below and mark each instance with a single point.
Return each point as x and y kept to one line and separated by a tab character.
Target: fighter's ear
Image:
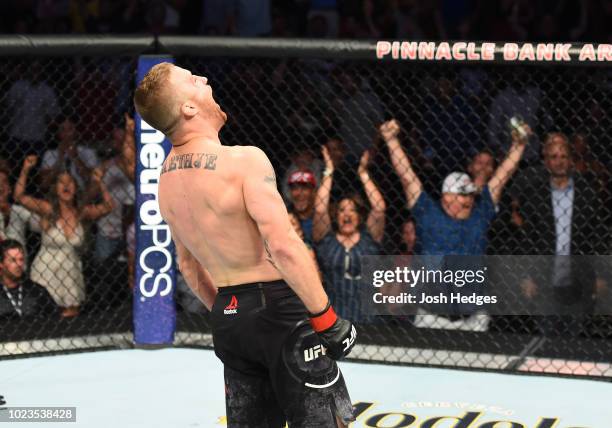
189	109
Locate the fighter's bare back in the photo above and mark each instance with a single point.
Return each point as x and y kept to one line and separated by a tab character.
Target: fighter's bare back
201	198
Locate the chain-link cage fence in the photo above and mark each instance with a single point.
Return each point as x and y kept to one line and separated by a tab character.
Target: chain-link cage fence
67	173
422	126
545	195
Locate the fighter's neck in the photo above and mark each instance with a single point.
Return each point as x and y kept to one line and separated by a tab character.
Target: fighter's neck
202	137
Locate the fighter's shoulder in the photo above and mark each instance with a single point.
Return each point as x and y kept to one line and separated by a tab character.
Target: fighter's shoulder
248	155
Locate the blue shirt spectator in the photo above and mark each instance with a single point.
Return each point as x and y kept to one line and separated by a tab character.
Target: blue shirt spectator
440	234
457	224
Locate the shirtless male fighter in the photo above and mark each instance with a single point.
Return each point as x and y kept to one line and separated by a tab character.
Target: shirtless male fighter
273	326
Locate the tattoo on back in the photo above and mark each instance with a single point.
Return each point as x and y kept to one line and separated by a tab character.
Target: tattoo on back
190	160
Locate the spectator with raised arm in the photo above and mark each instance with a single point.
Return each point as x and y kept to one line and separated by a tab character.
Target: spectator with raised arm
458	224
57	266
110	248
345	233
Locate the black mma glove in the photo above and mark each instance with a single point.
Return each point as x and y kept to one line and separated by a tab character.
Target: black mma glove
337	335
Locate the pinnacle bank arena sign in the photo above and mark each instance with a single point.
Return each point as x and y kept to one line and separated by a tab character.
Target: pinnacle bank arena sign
494	52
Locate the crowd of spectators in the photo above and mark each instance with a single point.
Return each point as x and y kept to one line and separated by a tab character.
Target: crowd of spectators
64	223
581	20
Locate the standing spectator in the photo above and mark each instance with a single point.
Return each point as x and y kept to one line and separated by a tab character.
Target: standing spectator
564	221
118	180
303	159
70	156
20	297
481	168
458	224
302	187
109	251
57	266
250	18
31	104
342	237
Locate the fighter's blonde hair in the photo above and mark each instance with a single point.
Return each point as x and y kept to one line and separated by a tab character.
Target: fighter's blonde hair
155	103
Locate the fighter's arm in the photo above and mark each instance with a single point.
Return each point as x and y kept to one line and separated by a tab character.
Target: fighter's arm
285	249
509	165
196	276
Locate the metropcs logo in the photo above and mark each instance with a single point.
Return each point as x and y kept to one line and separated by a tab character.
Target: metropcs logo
155	260
232	308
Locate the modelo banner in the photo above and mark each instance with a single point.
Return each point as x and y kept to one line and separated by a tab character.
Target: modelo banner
154	309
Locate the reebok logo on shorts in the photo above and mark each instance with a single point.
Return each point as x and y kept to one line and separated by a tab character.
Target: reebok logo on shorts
232	308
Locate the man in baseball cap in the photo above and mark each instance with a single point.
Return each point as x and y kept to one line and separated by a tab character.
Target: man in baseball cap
458	192
459	223
302	188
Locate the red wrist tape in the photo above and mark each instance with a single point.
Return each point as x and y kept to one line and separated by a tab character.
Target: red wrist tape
324	321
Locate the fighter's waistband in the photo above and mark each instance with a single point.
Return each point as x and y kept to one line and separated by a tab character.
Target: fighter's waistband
253	286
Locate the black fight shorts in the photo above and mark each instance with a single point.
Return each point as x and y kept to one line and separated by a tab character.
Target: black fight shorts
274	365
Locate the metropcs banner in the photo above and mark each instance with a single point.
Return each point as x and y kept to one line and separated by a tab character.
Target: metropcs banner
494	52
154	309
